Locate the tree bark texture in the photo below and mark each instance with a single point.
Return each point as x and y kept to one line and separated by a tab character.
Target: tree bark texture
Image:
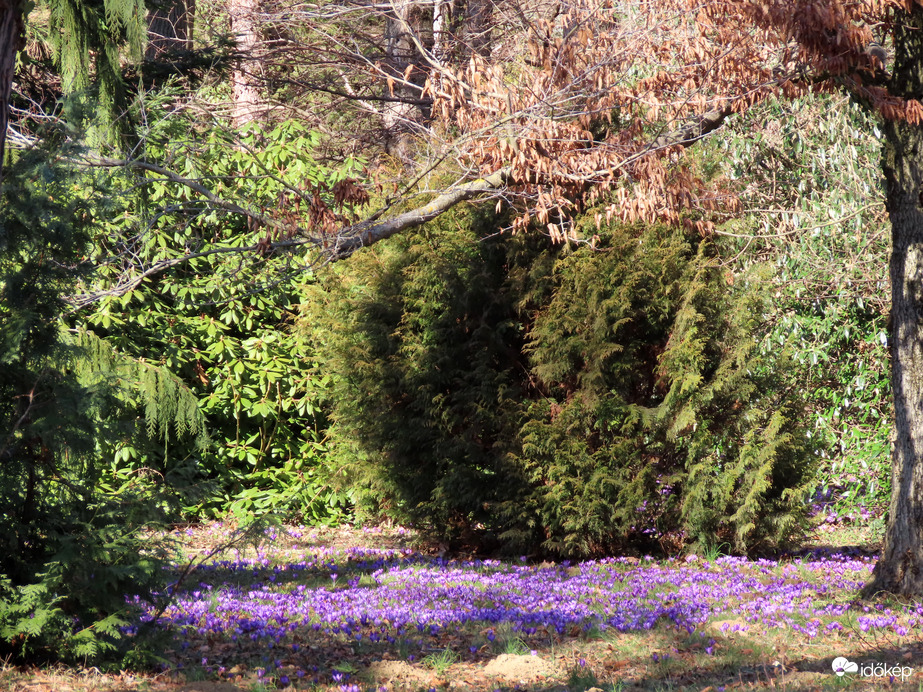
442	10
434	25
12	40
900	569
407	70
246	105
368	233
170	25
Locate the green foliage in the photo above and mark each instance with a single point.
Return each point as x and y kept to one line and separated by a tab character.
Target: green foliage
221	321
441	662
425	386
842	357
75	608
71	552
167	402
663	415
89	40
829	242
572	401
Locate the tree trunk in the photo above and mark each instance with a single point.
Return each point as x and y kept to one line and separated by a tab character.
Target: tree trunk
900	569
170	26
12	39
442	10
244	28
407	69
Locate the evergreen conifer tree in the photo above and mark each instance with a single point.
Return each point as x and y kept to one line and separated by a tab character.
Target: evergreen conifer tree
71	552
89	38
568	402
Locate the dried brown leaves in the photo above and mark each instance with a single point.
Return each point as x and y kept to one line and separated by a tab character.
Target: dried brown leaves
576	110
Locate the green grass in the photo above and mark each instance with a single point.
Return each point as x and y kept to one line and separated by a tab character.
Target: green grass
441	661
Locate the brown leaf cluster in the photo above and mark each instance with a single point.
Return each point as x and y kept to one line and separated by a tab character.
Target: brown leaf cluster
592	107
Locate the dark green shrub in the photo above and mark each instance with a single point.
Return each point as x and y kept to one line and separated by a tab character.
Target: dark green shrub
573	402
663	415
71	553
424	353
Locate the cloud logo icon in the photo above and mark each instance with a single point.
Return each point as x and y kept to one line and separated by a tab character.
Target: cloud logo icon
842	665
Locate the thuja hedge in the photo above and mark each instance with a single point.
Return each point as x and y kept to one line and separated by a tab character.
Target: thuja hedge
502	393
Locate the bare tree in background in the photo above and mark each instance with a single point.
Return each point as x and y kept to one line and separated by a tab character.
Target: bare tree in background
170	28
408	27
421	38
377	66
244	16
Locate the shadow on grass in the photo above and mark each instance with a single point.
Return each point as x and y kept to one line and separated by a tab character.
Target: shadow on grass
615	660
313	573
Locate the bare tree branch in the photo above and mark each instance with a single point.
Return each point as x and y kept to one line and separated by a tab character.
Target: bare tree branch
365	233
693	131
340	245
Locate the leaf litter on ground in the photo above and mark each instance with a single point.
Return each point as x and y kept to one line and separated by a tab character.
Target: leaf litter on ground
369	609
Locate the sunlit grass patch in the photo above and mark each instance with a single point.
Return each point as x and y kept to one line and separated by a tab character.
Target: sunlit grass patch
440	662
61	679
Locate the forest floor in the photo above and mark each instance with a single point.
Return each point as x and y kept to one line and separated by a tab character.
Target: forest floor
353	610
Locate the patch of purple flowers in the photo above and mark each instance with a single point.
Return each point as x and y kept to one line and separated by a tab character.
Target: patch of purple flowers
392	596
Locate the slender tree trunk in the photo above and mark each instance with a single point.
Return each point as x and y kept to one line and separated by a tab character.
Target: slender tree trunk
407	69
442	10
900	569
12	39
170	26
245	30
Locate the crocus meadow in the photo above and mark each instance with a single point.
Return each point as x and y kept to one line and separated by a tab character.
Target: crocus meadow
286	616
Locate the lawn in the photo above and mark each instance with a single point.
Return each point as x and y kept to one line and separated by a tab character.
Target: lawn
345	610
